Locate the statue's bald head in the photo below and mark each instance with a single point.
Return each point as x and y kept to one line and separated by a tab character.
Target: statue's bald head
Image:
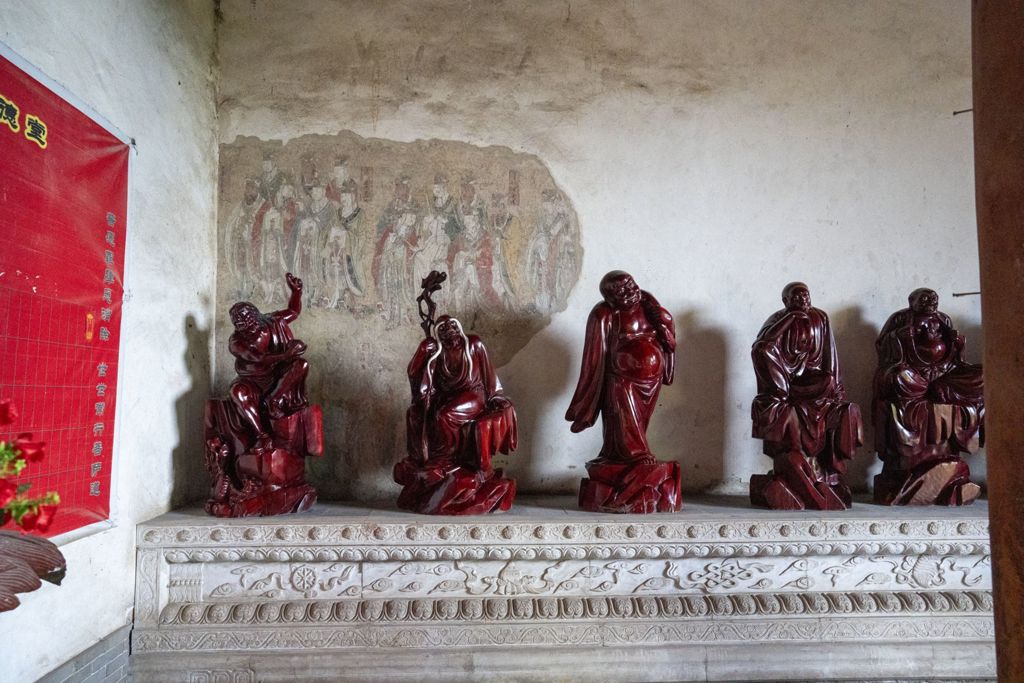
796	296
923	300
619	289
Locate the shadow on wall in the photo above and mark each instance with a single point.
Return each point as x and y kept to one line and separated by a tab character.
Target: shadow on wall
855	344
537	392
191	482
689	423
363	402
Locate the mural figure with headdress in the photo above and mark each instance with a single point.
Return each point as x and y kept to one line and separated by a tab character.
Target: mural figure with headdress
238	238
395	283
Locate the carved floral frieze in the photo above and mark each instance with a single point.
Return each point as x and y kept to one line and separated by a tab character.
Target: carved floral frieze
269	581
308	583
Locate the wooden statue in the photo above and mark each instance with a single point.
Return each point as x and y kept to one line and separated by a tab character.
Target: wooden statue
629	353
928	408
458	419
801	413
257	440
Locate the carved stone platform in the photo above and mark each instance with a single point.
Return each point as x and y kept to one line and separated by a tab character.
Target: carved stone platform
718	591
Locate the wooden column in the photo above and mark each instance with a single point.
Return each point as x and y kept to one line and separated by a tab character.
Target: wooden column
998	32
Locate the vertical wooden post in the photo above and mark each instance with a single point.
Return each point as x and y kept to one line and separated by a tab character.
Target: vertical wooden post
998	35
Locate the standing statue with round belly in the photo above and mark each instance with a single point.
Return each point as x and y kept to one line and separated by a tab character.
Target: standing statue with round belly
809	429
459	418
628	354
929	406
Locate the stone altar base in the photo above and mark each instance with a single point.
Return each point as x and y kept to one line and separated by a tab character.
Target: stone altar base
546	592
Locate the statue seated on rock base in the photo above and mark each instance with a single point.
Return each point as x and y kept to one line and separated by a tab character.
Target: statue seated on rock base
458	420
800	412
928	408
257	440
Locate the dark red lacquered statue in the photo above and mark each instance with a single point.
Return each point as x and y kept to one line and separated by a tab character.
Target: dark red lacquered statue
808	427
458	420
928	408
628	354
257	440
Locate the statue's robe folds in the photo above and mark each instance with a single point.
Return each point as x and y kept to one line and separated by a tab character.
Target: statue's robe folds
928	407
461	392
801	403
621	377
458	419
907	385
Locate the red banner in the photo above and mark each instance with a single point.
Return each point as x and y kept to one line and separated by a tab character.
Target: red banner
63	205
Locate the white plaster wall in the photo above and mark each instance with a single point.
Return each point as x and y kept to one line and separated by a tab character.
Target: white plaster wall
715	150
146	67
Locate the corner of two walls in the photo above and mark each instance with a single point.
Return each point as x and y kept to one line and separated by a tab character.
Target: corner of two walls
147	67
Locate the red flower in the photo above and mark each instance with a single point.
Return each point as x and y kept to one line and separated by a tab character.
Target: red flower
32	451
8	490
38	519
8	413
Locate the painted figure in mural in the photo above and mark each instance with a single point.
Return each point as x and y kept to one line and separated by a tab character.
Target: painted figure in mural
396	284
445	206
308	173
470	256
432	247
256	440
273	246
470	201
339	177
320	208
350	218
271	178
502	222
551	241
288	207
398	206
800	412
341	283
306	254
929	407
458	419
629	353
400	201
565	237
238	238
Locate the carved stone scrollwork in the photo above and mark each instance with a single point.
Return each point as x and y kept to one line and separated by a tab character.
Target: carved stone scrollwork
341	582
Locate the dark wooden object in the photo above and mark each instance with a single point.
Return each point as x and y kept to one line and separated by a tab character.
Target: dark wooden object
928	408
800	412
459	418
999	185
629	353
257	440
24	560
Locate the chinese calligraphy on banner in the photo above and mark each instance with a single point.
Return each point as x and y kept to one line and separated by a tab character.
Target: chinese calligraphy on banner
63	204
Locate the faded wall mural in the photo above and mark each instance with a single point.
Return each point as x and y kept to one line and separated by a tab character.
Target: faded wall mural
362	221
